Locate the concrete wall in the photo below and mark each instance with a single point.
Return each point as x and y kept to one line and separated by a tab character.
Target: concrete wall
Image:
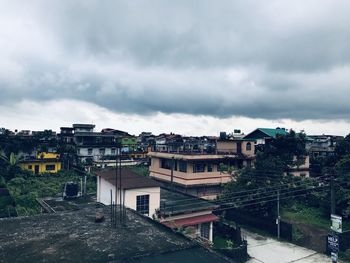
104	195
302	170
189	178
226	146
154	198
244	148
42	166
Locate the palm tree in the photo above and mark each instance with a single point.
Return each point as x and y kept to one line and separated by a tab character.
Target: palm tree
11	164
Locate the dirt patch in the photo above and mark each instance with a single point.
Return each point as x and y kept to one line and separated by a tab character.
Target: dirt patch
309	236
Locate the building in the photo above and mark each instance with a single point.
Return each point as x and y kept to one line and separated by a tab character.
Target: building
43	163
138	192
241	147
302	170
89	145
145	196
261	135
128	143
199	174
72	235
322	145
66	135
193	215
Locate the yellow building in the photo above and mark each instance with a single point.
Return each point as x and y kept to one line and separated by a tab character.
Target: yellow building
44	163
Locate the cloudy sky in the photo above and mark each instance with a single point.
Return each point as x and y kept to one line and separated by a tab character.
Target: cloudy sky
191	67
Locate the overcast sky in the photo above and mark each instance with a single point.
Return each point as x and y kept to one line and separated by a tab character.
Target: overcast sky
191	67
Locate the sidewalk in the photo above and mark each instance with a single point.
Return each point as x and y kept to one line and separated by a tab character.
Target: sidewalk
268	250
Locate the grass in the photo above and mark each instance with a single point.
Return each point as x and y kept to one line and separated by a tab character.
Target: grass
220	242
300	213
25	190
345	256
305	215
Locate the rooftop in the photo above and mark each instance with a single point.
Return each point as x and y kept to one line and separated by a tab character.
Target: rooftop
80	125
130	180
270	132
73	236
178	203
190	156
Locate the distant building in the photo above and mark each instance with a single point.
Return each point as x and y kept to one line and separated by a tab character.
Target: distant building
302	170
128	143
139	193
43	163
66	135
90	145
83	128
261	135
322	145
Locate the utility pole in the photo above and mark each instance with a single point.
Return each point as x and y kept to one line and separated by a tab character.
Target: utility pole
332	196
172	173
278	215
336	226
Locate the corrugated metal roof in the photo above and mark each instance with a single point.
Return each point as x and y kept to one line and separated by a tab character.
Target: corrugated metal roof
191	221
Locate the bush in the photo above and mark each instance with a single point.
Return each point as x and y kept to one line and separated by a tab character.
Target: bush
26	189
2	182
297	234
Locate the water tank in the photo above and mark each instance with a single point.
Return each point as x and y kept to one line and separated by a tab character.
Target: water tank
71	190
223	136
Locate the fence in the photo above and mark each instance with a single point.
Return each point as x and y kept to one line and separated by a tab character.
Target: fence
267	224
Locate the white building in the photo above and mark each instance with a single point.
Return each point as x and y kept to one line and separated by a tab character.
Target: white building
138	192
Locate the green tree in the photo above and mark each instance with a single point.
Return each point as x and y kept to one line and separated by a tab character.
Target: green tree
11	165
270	170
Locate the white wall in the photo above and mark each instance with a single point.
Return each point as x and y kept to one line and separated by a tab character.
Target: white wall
104	195
154	198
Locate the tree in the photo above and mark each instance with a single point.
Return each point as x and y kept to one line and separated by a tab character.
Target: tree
11	165
342	185
270	170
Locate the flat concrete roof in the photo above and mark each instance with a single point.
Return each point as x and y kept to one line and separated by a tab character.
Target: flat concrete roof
192	157
73	236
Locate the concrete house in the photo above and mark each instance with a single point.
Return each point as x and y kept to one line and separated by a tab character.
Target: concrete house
261	135
43	163
201	174
138	192
193	215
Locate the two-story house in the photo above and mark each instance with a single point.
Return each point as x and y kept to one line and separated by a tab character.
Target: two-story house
202	174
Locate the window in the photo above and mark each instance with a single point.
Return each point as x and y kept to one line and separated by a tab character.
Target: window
113	151
198	168
183	166
102	151
166	164
78	151
205	228
30	167
90	151
248	146
50	167
210	167
142	204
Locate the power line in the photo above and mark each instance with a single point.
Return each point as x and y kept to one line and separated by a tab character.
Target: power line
230	200
271	188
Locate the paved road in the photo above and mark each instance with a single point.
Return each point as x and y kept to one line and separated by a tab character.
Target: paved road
269	250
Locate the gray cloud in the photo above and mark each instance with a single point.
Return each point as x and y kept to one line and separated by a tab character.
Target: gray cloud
272	60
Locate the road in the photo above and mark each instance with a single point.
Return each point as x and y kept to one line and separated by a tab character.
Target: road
268	250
